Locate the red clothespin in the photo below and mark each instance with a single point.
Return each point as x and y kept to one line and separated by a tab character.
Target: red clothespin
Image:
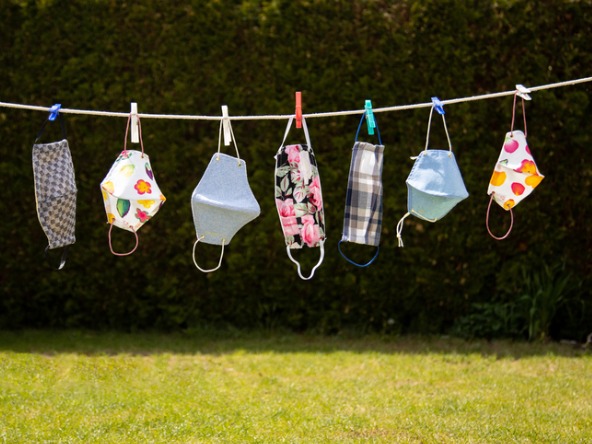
298	109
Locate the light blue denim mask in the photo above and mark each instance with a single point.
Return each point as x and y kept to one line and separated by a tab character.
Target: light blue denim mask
434	185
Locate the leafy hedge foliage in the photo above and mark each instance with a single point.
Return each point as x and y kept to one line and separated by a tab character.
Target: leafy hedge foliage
192	57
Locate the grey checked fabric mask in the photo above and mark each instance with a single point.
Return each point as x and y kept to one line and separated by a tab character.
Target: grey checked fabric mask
55	191
222	202
362	221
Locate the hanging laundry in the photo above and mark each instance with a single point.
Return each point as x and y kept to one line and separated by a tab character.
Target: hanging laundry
362	220
435	185
130	193
55	188
515	174
299	198
222	202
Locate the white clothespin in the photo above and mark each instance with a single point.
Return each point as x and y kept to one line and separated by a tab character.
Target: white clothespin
134	123
522	91
226	126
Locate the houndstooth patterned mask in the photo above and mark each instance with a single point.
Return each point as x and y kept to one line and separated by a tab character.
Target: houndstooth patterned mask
55	192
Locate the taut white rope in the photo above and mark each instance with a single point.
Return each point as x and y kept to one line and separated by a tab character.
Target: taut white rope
287	116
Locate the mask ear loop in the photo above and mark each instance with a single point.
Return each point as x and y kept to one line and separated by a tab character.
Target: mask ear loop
487	221
129	119
360	126
355	263
129	252
233	141
62	259
514	116
322	247
445	130
219	262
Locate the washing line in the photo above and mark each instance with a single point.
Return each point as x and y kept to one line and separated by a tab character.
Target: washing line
287	116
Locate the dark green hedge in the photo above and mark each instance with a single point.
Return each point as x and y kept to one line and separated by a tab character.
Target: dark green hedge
191	57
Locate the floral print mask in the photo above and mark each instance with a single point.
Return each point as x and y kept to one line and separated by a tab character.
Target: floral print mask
298	197
130	193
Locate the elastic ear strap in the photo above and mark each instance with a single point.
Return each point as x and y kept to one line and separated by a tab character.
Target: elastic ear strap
377	130
231	133
355	263
514	115
42	129
287	130
445	130
129	252
322	247
129	119
487	221
219	262
400	229
306	135
62	259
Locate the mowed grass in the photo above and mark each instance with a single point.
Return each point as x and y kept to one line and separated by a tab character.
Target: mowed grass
61	387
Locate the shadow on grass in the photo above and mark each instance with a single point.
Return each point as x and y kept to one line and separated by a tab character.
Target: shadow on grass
219	342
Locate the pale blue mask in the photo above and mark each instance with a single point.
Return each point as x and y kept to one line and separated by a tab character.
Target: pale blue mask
435	184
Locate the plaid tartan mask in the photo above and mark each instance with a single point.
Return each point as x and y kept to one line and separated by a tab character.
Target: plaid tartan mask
362	221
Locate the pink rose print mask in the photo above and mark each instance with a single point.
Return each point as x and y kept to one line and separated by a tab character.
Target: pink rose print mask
515	174
299	198
130	193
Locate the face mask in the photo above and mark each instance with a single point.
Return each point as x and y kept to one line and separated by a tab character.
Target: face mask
434	185
55	191
362	221
515	175
298	198
222	202
130	193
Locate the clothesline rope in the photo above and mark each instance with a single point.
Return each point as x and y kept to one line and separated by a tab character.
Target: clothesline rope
287	116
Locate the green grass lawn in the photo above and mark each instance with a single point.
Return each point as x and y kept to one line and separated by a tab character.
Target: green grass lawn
62	387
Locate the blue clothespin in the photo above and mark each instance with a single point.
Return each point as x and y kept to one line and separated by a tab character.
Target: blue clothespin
371	123
54	111
438	105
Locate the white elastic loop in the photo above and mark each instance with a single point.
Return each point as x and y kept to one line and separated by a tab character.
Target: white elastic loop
400	229
322	247
445	130
304	127
233	138
213	269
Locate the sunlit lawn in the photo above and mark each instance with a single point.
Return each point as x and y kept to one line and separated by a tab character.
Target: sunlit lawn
64	387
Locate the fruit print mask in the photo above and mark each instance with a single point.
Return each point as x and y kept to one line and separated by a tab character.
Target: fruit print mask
298	198
515	174
130	193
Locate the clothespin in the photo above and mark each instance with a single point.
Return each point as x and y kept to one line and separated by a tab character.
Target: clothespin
298	109
438	105
54	111
522	91
370	122
226	126
134	123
